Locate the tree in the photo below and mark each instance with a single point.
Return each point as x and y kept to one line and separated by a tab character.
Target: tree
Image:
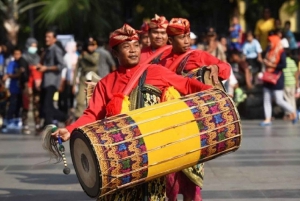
85	17
11	10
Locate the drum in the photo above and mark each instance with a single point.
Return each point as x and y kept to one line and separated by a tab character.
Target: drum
133	148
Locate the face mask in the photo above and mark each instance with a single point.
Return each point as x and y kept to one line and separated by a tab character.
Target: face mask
32	50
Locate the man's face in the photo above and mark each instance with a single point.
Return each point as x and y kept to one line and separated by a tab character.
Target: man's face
158	37
267	14
92	48
144	40
50	39
17	54
180	43
128	53
249	37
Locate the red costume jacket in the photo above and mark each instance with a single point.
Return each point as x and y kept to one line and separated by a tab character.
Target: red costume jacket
146	53
197	58
116	81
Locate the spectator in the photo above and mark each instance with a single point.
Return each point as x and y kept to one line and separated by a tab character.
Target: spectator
2	61
292	40
252	51
15	101
224	43
284	42
214	47
241	70
290	80
193	41
24	76
67	96
88	61
106	63
34	80
277	24
275	62
144	35
51	69
263	27
4	96
235	34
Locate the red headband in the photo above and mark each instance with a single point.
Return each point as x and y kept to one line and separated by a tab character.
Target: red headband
125	33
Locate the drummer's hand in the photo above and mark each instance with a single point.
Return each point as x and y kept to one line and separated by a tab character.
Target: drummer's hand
214	73
63	133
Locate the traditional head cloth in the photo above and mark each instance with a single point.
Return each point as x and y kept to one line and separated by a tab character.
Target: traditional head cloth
178	26
145	28
276	49
158	22
125	33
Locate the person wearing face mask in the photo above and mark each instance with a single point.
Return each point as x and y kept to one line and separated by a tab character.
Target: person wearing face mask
34	82
87	62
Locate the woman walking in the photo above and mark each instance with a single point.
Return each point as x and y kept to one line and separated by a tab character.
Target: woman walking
273	79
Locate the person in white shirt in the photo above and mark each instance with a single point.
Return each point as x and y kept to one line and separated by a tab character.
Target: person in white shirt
252	51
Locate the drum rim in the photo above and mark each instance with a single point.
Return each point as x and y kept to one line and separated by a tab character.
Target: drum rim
95	188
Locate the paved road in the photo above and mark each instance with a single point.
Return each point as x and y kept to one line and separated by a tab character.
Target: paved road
266	167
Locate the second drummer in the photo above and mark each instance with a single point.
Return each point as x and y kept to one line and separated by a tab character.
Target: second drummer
125	45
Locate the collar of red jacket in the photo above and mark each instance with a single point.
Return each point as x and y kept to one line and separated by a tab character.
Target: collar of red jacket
128	70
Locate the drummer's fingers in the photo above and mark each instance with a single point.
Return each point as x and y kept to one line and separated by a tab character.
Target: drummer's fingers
55	133
216	79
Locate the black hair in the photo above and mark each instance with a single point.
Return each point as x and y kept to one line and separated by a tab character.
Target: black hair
53	31
288	23
234	52
115	48
17	49
249	32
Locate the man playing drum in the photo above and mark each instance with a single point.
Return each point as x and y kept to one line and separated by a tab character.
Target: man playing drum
178	31
125	45
157	35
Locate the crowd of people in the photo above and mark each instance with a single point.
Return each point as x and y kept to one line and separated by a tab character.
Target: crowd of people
266	58
37	76
250	53
50	80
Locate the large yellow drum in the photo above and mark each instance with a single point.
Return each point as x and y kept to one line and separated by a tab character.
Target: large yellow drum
132	148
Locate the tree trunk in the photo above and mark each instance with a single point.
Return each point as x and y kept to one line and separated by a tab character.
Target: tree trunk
12	28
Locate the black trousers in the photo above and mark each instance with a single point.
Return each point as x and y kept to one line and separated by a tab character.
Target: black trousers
66	99
48	111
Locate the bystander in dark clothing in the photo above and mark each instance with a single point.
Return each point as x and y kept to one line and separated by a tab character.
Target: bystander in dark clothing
24	76
50	83
15	99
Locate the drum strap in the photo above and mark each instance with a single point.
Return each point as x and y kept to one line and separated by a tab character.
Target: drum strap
140	100
182	64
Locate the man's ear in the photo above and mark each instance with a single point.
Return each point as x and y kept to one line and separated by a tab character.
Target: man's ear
170	40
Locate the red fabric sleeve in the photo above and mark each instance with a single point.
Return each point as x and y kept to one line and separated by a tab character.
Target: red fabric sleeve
200	58
182	84
95	111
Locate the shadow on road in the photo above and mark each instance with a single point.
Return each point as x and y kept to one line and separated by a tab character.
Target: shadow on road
44	195
59	179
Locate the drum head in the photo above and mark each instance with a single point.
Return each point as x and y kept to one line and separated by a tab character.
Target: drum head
85	163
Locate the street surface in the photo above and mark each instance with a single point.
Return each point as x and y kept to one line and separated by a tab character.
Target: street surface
266	167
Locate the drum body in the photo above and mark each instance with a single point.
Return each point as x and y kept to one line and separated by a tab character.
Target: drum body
132	148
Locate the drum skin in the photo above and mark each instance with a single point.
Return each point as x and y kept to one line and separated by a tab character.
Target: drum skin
150	142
